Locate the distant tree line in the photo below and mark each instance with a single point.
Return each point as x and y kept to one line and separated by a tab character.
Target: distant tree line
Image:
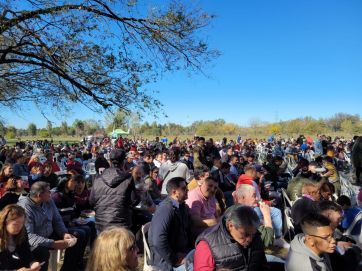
340	123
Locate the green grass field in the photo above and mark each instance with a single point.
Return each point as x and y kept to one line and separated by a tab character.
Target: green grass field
56	140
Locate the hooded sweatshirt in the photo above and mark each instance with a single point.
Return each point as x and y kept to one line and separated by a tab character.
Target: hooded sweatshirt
300	257
113	195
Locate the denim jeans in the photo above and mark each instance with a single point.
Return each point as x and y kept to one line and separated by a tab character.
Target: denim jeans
276	217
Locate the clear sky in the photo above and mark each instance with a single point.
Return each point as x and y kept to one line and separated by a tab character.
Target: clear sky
280	60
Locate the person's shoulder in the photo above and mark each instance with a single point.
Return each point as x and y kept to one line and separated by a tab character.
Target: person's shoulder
182	165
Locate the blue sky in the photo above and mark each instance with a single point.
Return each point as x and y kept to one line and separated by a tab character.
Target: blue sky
280	60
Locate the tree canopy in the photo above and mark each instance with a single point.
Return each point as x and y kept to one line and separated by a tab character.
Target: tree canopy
101	53
339	124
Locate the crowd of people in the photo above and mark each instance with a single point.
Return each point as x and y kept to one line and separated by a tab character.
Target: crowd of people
199	204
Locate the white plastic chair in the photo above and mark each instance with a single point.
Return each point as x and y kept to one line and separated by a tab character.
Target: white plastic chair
146	248
286	199
288	223
54	259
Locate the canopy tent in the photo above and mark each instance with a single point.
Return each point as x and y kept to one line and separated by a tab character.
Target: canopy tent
118	132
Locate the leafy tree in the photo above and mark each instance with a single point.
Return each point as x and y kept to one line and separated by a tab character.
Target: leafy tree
49	127
347	126
117	120
43	133
64	128
11	132
79	127
2	128
31	129
274	128
254	124
100	53
56	131
91	126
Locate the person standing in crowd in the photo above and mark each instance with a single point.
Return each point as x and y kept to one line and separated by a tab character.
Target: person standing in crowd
115	249
114	194
169	232
15	251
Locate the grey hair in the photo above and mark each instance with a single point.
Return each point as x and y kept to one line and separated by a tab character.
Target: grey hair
38	188
243	190
242	216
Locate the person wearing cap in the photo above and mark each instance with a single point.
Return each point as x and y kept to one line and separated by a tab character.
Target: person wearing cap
113	194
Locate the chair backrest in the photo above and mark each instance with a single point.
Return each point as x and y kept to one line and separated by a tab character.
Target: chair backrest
287	201
357	218
146	248
288	223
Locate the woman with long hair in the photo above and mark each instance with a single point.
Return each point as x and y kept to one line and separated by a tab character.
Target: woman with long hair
5	172
115	249
14	245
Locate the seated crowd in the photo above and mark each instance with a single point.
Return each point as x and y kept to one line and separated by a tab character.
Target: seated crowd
200	205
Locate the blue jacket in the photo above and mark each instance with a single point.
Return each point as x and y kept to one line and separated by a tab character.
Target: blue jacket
169	234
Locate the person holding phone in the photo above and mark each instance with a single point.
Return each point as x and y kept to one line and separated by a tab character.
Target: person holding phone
14	245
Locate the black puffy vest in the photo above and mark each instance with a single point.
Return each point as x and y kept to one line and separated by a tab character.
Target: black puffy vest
228	254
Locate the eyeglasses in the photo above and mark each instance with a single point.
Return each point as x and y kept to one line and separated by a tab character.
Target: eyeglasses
326	238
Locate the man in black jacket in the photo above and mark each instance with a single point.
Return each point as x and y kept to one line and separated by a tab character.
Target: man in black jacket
113	195
169	232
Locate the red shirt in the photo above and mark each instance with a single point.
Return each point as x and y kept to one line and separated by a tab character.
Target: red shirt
203	260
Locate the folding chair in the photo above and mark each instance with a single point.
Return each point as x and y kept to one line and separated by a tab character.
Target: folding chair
357	237
287	201
146	248
288	223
